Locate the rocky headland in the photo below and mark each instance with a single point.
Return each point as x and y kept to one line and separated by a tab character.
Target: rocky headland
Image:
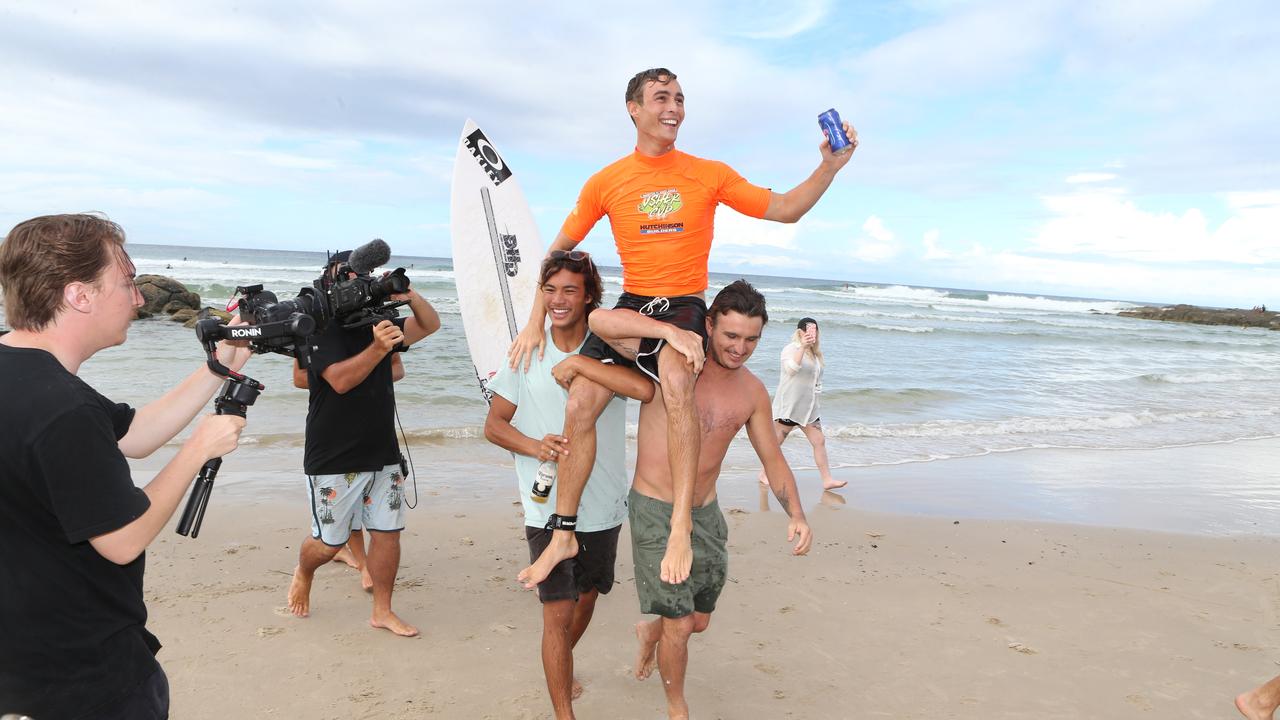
165	296
1257	317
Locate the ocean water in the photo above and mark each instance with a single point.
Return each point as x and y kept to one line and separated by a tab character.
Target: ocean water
913	375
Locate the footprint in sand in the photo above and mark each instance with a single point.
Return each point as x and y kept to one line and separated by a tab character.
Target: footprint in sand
269	631
1139	702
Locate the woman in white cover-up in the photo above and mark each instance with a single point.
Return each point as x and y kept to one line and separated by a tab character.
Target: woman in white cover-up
795	404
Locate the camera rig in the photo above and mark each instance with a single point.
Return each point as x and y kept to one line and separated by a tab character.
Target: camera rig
238	393
346	292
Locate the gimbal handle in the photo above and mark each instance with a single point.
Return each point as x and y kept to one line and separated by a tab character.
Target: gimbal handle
238	393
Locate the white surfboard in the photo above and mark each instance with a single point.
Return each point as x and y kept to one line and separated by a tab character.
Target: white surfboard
496	252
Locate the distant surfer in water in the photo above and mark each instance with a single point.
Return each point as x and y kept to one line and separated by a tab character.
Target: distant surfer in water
525	416
661	206
795	404
728	397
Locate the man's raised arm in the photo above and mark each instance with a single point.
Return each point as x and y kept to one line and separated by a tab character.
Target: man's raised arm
791	206
534	335
158	421
425	319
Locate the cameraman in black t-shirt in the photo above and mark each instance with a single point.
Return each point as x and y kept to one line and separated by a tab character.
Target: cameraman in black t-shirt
73	527
352	459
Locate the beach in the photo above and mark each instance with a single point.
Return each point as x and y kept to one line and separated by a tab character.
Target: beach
1052	511
890	615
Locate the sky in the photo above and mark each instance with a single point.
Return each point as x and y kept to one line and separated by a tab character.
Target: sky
1120	150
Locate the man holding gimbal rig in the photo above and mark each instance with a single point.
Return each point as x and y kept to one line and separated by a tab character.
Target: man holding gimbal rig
73	527
352	458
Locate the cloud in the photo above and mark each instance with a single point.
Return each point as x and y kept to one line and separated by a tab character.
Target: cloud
1090	177
931	249
1124	280
764	263
878	244
765	20
733	229
1107	224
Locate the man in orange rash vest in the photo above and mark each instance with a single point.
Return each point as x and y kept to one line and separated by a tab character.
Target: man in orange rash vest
661	206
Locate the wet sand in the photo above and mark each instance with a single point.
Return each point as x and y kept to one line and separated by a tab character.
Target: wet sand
890	616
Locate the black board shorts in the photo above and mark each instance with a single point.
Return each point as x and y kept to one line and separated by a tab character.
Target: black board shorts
687	312
590	569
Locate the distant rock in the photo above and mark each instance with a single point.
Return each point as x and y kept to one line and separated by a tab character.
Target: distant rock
1207	316
206	313
164	296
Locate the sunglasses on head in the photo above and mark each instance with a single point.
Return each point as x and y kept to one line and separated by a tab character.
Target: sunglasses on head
574	255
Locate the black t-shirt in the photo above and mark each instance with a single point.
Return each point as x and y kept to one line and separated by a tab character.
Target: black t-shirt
72	623
355	431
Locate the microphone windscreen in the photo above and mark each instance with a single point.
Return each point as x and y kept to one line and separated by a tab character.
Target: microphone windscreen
373	254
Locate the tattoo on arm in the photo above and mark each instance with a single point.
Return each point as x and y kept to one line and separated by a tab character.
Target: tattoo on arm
783	500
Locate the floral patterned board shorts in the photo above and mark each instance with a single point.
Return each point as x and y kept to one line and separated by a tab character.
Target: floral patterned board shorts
376	498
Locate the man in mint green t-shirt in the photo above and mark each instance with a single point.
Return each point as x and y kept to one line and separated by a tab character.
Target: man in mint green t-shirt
526	415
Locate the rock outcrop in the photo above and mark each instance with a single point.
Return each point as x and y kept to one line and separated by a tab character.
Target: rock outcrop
206	313
164	295
1208	316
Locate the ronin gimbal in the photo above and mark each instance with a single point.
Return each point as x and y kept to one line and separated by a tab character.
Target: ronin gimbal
238	393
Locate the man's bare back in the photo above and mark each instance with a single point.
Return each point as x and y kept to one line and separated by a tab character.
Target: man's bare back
725	400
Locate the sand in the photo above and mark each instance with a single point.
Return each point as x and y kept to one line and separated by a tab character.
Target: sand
890	616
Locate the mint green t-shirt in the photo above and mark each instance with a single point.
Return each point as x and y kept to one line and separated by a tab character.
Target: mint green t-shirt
540	405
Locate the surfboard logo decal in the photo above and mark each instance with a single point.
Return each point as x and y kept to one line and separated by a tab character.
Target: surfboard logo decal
487	155
511	254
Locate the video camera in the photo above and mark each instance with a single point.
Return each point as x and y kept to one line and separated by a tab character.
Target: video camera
346	293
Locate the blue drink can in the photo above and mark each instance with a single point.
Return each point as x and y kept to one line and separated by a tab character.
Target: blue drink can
831	126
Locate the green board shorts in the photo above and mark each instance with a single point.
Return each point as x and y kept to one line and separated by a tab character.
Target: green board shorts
650	528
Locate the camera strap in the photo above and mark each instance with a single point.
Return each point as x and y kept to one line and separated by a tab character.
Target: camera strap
406	458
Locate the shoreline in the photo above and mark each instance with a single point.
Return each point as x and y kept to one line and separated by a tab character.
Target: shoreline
1214	489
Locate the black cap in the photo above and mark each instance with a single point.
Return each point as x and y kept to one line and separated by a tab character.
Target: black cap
338	258
806	321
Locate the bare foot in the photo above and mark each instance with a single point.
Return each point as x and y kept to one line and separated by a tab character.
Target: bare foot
677	560
648	633
764	479
576	691
391	621
344	556
300	593
832	484
366	580
563	545
1250	706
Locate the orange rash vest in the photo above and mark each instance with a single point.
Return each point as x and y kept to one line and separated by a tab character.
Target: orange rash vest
662	212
